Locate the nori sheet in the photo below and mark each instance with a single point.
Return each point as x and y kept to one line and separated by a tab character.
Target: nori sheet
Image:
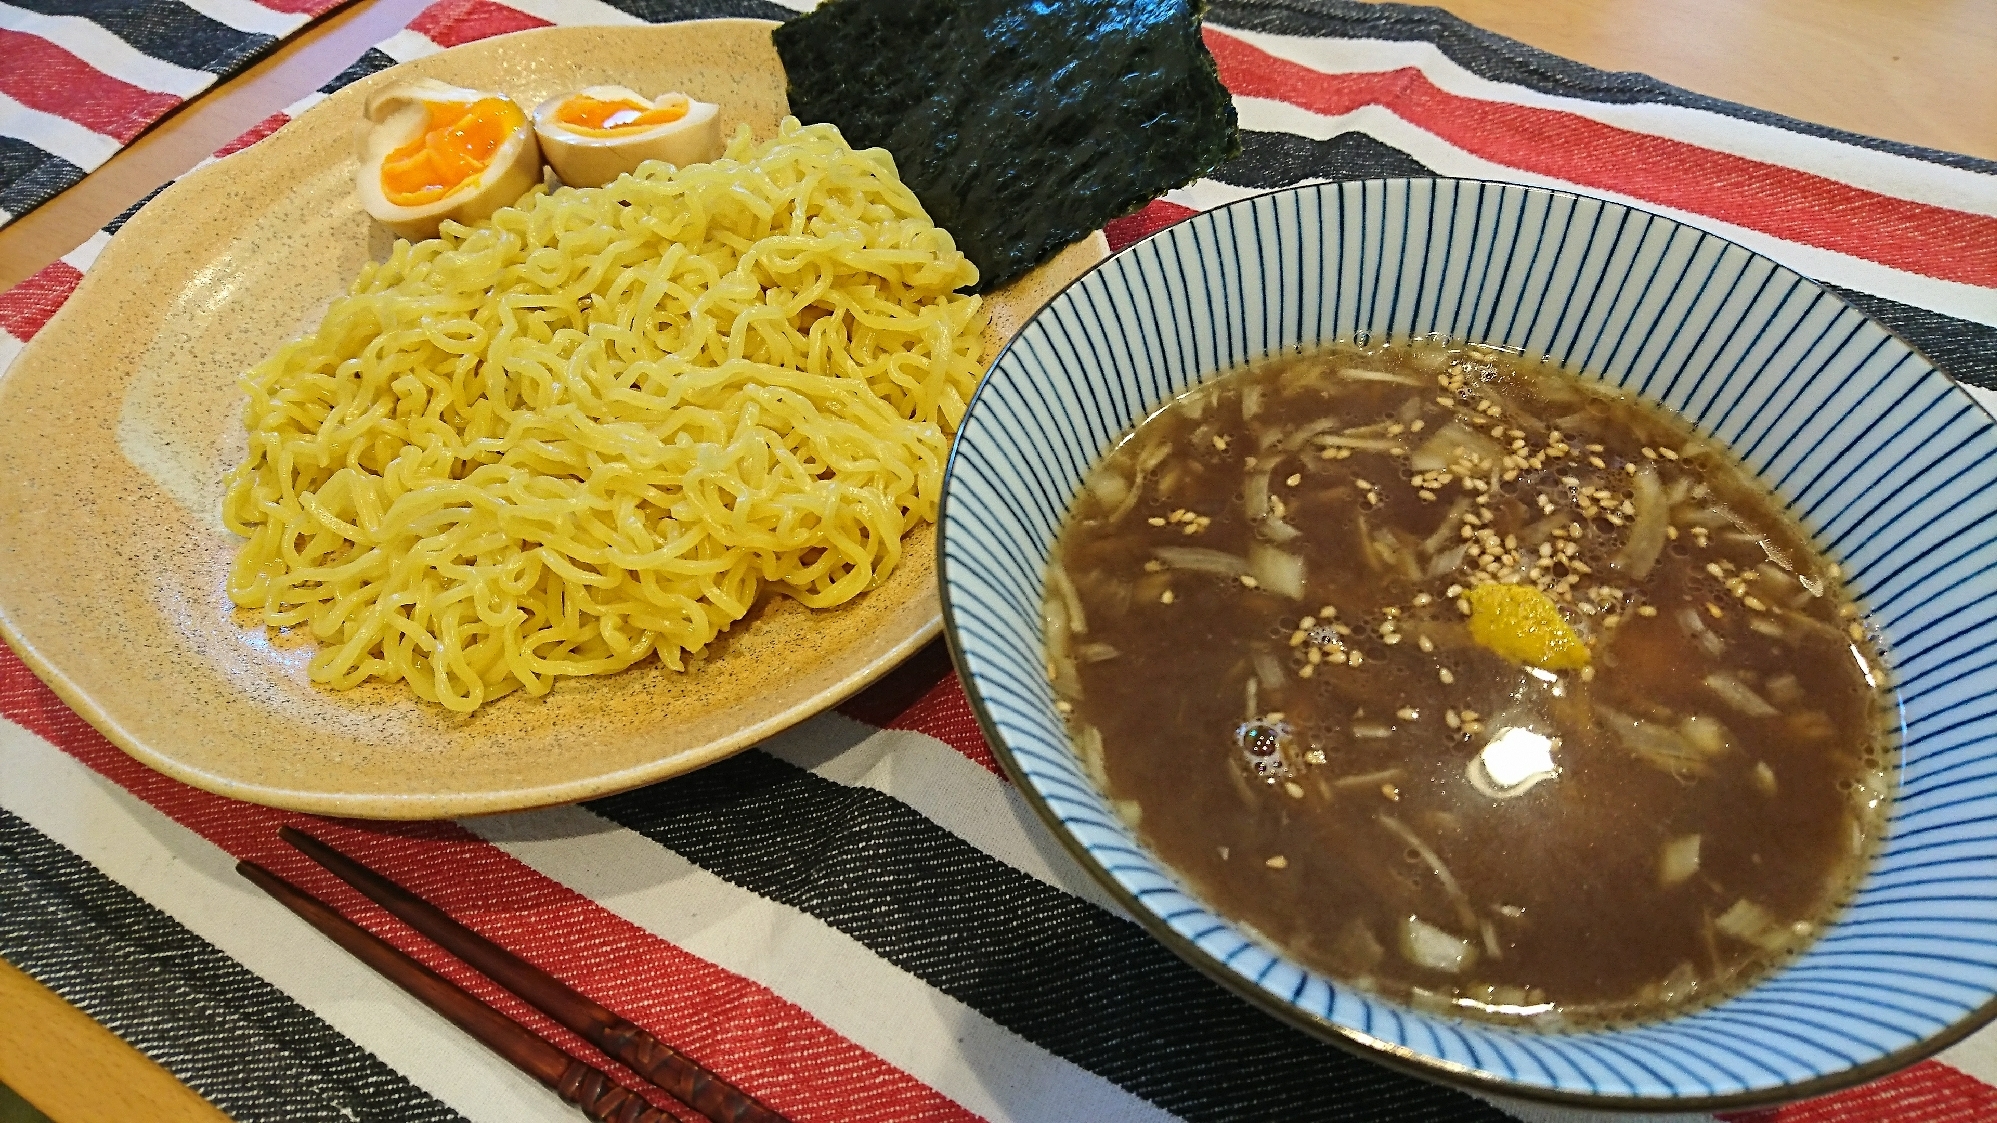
1022	125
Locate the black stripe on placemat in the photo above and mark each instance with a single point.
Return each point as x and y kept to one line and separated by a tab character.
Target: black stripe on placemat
372	61
31	176
218	1028
1964	349
1499	59
1060	972
164	29
125	216
671	11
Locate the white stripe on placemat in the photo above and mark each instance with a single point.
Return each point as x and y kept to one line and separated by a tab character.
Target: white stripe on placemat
1953	298
55	135
245	15
406	44
574	12
1887	173
195	882
106	52
946	787
940	1041
84	256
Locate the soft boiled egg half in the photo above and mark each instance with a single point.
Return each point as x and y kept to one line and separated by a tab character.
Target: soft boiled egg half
432	151
594	136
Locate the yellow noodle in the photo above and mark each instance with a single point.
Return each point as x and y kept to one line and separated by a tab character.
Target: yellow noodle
595	427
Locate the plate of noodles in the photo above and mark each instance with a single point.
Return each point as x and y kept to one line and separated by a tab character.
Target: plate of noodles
271	531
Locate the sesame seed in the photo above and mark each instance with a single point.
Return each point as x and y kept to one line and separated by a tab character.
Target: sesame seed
1629	469
1463	605
1426	495
1391	792
1328	454
1714	609
1154	566
1064	706
1416	426
1363	485
1220	444
1329	612
1165	597
1667	454
1295	479
1649	453
1443	674
1278	863
1597	462
1353	658
1407	713
1646	610
1308	669
1754	603
1449	718
1249	582
1588	673
1315	756
1293	789
1856	631
1297	637
1249	463
1426	644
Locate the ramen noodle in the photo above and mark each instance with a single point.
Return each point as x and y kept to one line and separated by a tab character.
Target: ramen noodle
598	426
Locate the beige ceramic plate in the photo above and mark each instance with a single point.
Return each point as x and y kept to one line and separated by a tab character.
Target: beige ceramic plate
117	424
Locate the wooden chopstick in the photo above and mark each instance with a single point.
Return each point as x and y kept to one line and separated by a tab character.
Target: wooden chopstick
582	1085
649	1057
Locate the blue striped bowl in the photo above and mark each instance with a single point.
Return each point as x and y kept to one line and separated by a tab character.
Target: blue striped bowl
1891	466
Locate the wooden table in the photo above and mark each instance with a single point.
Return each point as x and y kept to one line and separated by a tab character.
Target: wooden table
1919	71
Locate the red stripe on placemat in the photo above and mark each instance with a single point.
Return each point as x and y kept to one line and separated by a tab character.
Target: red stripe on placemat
945	714
1929	1092
300	7
1932	241
28	305
1155	216
43	76
453	22
255	133
769	1046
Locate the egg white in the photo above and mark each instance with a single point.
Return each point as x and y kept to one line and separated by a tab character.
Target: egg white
400	114
587	161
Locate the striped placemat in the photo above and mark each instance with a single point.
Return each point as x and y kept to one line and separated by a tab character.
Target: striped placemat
79	79
860	920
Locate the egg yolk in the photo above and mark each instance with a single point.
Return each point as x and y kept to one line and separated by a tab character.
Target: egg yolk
454	149
587	116
1522	624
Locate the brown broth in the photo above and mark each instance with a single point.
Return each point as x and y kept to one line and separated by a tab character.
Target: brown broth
1300	752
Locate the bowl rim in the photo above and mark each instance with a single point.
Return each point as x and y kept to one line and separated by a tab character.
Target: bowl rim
1396	1056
